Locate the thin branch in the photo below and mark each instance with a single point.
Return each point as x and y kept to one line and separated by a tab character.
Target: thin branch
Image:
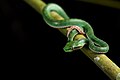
101	60
108	3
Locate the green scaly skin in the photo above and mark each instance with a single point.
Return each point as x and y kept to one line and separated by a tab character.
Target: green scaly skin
95	44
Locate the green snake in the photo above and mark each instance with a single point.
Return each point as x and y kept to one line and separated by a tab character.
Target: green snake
80	27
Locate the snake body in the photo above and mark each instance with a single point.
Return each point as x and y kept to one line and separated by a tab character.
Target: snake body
95	44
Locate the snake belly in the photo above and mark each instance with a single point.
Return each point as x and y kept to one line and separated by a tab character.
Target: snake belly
95	44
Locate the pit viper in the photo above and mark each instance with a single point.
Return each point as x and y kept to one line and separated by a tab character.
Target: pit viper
74	26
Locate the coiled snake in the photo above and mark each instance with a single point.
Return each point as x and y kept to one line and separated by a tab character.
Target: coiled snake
74	26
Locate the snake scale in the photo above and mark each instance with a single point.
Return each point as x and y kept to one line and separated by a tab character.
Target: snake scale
74	26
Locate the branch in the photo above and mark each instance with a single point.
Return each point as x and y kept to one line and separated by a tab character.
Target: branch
101	60
108	3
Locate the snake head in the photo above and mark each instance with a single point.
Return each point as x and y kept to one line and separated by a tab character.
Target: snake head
74	45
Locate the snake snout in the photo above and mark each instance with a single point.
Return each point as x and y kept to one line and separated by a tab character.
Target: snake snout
67	49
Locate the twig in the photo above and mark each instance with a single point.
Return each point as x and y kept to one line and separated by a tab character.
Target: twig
108	3
101	60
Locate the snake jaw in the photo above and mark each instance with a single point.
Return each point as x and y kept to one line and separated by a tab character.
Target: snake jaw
74	45
67	50
68	47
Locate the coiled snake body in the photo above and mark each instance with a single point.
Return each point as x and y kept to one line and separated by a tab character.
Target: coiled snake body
95	44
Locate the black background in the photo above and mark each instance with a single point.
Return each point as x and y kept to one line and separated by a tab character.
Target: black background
34	50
